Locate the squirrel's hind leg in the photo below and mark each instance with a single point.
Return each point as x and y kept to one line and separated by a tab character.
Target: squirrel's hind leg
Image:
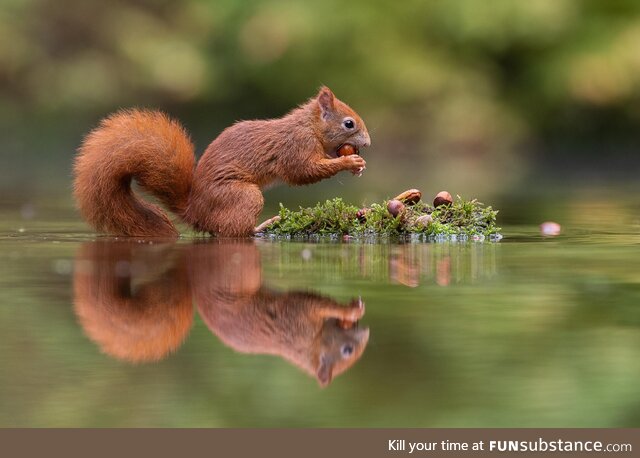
232	211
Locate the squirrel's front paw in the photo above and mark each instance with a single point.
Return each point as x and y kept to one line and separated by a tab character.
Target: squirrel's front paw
354	163
351	314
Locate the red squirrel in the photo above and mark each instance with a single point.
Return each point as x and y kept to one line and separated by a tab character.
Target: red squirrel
136	302
223	195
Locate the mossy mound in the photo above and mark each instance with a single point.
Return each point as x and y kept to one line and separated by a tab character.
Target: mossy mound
461	220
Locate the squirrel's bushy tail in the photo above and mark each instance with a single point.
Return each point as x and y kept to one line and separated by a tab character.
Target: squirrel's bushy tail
134	144
135	317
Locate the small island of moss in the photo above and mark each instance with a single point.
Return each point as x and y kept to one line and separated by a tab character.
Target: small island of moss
405	217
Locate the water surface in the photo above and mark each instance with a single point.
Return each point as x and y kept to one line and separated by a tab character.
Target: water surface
527	332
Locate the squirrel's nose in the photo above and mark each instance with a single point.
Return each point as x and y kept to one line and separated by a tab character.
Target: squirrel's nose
367	140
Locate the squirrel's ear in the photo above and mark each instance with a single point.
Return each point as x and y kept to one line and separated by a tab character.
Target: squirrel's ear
325	101
324	373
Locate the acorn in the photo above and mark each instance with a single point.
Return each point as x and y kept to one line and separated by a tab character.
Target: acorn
442	198
410	196
362	214
347	324
424	220
395	207
347	150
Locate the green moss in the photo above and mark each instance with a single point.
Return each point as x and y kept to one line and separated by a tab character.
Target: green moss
334	218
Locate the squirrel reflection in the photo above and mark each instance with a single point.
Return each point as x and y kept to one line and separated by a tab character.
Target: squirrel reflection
135	301
132	300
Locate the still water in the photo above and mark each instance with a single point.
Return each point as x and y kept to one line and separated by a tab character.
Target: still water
528	332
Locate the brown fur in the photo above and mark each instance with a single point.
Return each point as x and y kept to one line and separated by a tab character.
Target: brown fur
301	327
135	302
132	300
224	194
130	144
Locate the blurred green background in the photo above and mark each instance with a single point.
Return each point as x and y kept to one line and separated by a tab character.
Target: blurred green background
496	101
531	107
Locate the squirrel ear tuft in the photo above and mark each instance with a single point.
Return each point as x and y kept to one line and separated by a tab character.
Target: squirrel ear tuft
325	100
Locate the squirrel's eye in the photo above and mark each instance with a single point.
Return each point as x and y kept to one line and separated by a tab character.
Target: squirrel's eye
349	123
346	350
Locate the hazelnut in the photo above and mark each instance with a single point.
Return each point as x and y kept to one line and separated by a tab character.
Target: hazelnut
410	196
442	198
347	150
346	324
424	220
362	214
395	207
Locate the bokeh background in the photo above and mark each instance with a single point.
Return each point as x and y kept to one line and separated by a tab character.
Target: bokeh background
506	101
530	106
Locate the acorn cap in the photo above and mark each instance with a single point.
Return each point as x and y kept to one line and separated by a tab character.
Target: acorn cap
410	196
